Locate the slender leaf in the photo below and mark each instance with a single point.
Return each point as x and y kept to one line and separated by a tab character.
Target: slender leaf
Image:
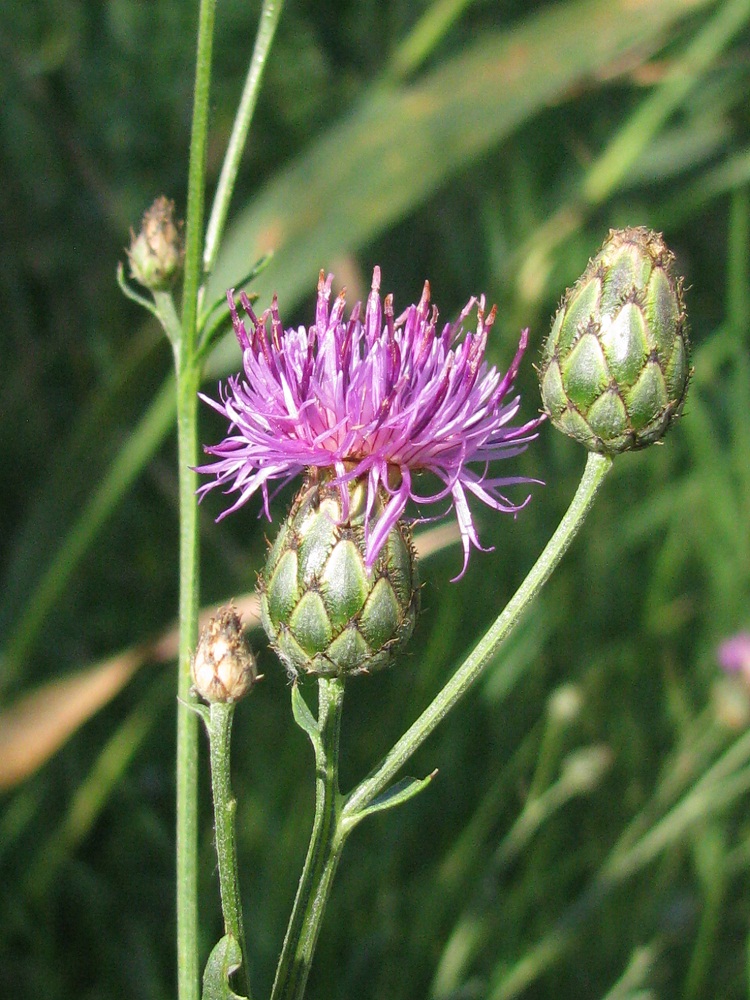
225	959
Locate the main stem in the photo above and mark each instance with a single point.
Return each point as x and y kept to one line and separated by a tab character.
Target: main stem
225	807
323	854
188	972
188	379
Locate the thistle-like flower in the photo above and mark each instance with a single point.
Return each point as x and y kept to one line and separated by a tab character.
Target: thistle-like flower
361	405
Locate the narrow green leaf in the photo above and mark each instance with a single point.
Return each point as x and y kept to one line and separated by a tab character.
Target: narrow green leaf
303	716
218	313
224	960
396	795
201	710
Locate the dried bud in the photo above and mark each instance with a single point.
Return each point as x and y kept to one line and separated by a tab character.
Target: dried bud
616	364
157	252
223	667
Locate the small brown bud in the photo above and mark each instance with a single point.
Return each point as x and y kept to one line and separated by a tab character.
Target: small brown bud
157	252
223	667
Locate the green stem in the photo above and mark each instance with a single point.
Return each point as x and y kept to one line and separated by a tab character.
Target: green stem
188	379
220	737
597	467
166	313
269	18
197	179
188	971
324	852
333	823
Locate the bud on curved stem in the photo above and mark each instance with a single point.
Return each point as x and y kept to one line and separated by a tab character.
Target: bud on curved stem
223	672
616	364
156	254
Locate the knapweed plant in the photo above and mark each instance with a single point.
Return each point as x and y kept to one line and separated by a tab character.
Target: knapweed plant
362	405
384	417
388	418
511	767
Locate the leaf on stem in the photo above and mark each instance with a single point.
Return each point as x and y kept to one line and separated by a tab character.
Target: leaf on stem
225	959
130	293
397	794
202	710
303	716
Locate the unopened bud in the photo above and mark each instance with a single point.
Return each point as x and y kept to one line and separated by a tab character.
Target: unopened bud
565	704
223	667
583	769
616	364
157	252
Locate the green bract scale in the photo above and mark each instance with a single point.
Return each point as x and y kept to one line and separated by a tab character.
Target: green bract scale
616	364
324	612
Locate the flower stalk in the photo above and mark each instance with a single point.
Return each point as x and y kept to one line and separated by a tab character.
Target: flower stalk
187	367
187	727
336	815
218	718
326	841
597	466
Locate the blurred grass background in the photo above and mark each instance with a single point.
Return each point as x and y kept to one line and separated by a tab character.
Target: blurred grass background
588	834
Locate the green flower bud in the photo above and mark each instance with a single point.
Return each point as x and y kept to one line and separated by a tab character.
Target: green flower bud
616	365
325	612
223	667
156	254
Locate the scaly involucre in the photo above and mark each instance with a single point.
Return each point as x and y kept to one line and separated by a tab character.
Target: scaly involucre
378	396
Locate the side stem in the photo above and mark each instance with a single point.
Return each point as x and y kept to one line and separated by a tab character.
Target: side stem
597	467
324	852
336	817
269	18
225	807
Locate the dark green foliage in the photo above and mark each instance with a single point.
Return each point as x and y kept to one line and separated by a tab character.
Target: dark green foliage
476	160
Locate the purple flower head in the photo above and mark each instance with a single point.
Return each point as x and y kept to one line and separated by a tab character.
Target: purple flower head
734	654
370	396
